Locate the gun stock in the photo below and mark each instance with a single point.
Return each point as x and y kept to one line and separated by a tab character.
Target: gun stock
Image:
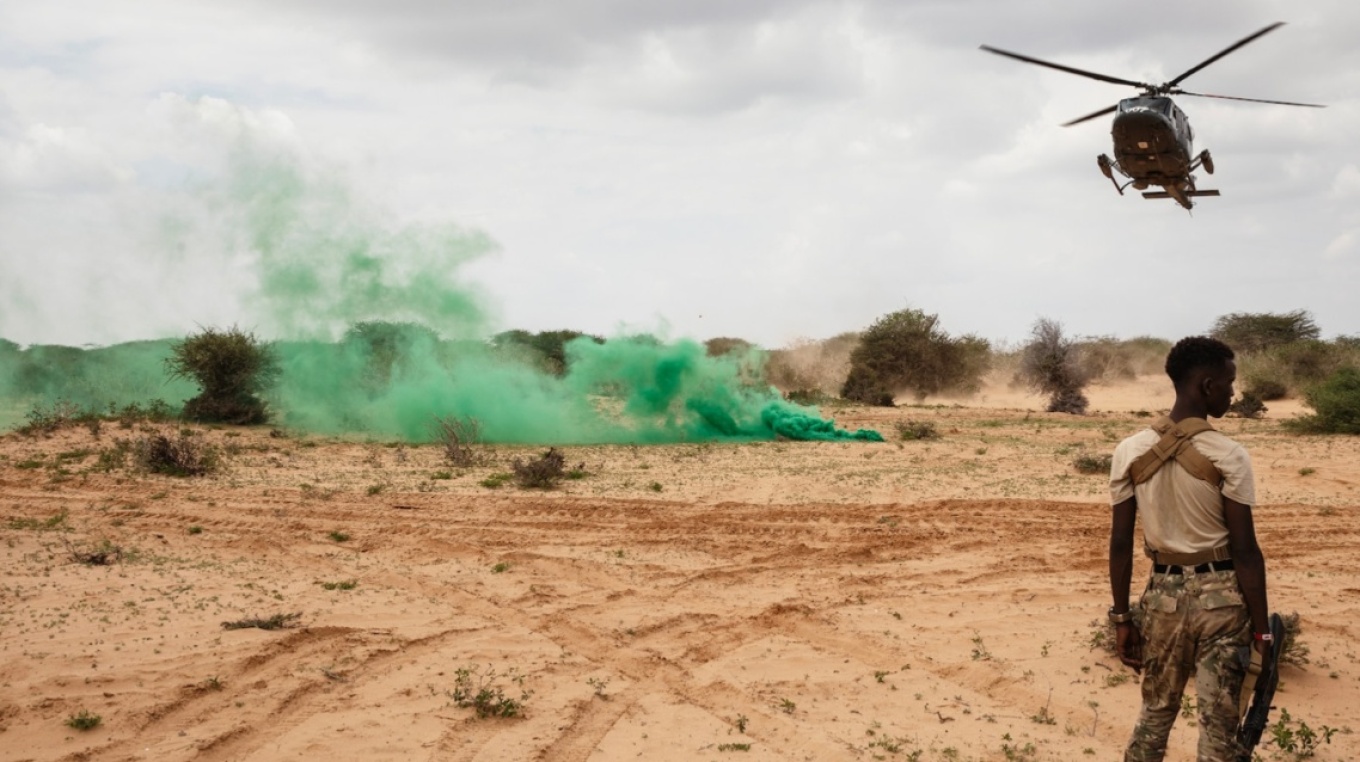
1258	714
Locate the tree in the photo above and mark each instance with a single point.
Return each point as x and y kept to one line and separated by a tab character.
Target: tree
1257	331
1051	364
232	368
908	350
547	348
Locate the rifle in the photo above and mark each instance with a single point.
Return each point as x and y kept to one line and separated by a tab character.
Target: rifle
1258	714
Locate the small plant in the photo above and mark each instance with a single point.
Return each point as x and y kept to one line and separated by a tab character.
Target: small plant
195	529
741	723
183	455
275	622
1016	753
338	536
980	652
599	684
1087	463
1297	738
84	720
496	480
345	584
482	692
457	435
213	683
1044	716
880	675
54	522
734	747
375	489
441	475
543	472
916	430
786	706
1307	471
1293	650
501	567
103	554
655	487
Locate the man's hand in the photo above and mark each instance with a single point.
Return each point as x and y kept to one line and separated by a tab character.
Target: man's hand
1128	644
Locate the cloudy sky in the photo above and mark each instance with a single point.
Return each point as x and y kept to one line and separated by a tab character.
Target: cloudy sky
761	169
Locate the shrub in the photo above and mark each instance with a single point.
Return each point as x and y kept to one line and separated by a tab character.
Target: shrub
457	435
543	472
1256	331
184	455
1105	358
726	345
83	720
1050	364
1248	406
912	430
482	692
1092	464
232	367
275	622
908	350
1335	403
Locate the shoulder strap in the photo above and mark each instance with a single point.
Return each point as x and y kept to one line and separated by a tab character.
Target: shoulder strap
1175	444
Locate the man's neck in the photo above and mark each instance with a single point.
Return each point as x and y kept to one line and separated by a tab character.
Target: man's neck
1188	408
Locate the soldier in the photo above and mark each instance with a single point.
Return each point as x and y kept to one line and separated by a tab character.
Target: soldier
1206	599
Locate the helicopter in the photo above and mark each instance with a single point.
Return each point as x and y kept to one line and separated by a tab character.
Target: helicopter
1152	136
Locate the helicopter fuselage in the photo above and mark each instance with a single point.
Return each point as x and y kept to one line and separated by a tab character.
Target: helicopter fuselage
1154	145
1152	141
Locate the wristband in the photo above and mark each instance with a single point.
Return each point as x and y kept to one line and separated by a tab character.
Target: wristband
1123	618
1264	637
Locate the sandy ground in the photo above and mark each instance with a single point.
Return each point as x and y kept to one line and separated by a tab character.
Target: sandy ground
914	600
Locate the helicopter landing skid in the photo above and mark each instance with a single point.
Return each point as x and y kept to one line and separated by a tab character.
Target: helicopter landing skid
1189	194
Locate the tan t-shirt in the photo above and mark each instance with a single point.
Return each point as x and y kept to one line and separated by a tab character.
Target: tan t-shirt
1183	514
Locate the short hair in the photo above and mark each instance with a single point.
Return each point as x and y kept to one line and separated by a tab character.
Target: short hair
1194	352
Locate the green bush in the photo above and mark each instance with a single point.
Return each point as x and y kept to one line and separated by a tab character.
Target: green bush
545	349
1256	331
232	367
1335	403
908	350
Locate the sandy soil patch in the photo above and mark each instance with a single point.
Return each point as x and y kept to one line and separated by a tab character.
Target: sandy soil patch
771	601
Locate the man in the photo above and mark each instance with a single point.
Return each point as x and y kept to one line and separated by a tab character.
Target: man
1207	597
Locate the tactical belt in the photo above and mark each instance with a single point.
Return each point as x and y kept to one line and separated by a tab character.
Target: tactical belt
1221	553
1204	568
1175	445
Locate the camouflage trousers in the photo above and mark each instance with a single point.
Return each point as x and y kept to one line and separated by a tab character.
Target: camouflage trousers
1194	624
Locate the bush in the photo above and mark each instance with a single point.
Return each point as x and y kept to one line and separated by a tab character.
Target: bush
1266	389
1257	331
1248	406
1108	359
1092	464
908	350
1335	403
457	436
184	455
1051	364
914	430
726	345
543	472
232	367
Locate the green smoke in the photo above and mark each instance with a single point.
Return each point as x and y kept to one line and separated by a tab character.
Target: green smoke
410	334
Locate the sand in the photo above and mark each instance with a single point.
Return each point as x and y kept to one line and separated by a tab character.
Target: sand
768	601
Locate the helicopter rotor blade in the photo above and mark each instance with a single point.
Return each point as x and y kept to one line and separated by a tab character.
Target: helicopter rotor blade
1224	52
1068	69
1250	100
1092	115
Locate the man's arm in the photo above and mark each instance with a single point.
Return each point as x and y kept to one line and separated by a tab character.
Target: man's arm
1128	641
1249	563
